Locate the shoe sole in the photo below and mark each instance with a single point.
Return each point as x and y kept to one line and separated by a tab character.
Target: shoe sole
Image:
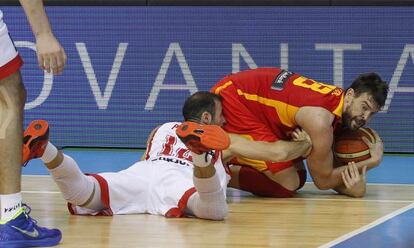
202	138
38	130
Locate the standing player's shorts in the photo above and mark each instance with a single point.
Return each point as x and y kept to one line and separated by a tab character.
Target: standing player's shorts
240	120
10	61
160	186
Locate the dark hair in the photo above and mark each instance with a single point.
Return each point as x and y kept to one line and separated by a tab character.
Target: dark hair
198	103
372	84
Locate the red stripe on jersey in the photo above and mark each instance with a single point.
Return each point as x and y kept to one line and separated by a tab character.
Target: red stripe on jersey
149	144
182	204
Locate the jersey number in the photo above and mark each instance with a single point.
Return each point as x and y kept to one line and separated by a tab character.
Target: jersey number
168	149
313	85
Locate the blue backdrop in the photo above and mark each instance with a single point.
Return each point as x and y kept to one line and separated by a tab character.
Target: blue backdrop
130	68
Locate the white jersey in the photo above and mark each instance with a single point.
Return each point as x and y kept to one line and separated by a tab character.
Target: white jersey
10	60
161	184
166	144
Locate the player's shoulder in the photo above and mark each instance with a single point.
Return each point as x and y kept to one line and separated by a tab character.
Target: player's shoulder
169	126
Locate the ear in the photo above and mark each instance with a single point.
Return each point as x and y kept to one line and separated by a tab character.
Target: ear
350	92
206	118
349	95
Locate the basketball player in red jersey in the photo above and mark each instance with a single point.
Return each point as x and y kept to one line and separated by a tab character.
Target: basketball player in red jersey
266	104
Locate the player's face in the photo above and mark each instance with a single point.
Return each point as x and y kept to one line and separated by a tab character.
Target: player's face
218	118
359	110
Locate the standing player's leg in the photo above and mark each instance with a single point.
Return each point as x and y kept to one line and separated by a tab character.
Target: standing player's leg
12	99
16	227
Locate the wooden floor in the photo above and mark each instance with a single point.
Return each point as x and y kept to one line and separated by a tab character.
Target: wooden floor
311	219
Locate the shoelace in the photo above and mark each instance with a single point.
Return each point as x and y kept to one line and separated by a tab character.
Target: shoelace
27	211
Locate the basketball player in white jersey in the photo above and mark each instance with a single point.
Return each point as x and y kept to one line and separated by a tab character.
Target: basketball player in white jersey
172	181
17	229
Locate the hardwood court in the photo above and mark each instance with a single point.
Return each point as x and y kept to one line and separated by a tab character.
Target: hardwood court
310	219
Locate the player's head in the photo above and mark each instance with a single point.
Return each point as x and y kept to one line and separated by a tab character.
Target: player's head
365	97
204	107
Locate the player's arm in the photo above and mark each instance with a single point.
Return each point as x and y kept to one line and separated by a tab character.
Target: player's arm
268	151
317	122
51	56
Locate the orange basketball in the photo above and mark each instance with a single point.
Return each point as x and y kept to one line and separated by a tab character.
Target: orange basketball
349	146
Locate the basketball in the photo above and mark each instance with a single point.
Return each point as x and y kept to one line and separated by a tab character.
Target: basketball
349	146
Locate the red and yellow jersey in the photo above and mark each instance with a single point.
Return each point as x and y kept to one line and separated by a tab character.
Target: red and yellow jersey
274	96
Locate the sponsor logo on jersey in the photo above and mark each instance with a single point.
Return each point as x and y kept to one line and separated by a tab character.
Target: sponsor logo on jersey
281	79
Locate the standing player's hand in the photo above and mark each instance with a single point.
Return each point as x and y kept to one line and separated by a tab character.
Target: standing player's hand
50	54
352	178
376	149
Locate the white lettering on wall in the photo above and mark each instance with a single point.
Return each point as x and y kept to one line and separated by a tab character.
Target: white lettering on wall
47	79
237	52
284	56
393	85
173	49
338	58
102	100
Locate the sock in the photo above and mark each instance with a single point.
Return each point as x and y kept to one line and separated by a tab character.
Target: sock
10	204
49	154
76	187
201	160
209	202
207	185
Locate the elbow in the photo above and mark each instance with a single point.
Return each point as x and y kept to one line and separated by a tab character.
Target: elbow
320	184
359	194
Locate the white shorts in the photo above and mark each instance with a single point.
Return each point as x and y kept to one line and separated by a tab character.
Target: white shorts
154	187
10	60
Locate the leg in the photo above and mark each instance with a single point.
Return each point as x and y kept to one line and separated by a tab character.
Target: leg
77	188
209	202
15	223
280	184
12	99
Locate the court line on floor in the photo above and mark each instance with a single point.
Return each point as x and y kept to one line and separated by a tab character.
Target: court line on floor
368	226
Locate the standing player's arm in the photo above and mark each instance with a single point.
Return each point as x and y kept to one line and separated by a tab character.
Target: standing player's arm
149	140
50	54
268	151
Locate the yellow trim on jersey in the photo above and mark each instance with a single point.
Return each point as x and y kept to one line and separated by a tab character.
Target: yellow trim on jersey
285	111
338	110
225	85
257	164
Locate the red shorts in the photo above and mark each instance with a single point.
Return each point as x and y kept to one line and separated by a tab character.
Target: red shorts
10	61
240	120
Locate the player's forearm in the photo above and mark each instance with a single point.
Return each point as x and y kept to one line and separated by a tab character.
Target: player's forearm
357	191
267	151
292	149
36	16
330	181
370	163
